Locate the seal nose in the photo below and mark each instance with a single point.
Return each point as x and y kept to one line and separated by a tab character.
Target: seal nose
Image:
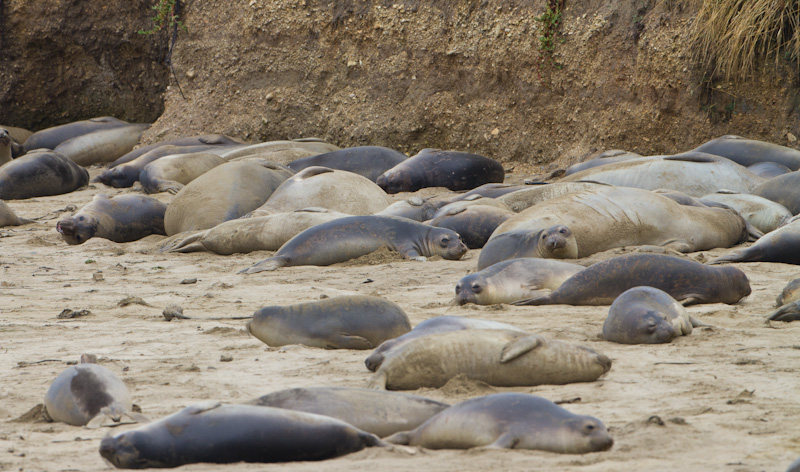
555	242
604	361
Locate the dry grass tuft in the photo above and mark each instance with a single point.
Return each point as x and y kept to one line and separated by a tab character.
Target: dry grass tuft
730	37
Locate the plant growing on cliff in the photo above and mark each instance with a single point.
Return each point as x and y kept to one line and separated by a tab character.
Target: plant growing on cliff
550	20
167	16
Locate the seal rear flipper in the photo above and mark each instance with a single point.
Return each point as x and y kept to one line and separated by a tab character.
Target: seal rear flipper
692	299
787	313
545	300
519	347
350	341
697	323
378	381
267	264
739	255
189	243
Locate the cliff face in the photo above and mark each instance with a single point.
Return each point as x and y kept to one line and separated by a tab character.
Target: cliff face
464	74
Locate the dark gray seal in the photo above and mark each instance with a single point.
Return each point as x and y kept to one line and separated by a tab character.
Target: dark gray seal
222	434
554	242
49	138
473	223
781	245
348	238
204	139
436	168
498	357
684	280
40	174
368	161
512	280
349	322
646	315
121	218
747	152
509	421
378	412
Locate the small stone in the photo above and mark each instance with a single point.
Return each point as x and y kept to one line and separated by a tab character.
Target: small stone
188	281
792	138
97	276
225	358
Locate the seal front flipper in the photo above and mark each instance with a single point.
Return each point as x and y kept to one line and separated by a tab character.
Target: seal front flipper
787	313
267	264
505	441
519	347
378	381
349	341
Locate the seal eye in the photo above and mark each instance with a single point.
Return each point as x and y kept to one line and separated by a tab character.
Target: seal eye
444	241
458	289
477	288
589	427
562	231
80	218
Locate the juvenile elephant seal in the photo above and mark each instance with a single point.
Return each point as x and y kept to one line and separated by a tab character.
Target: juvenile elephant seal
415	208
5	147
261	233
781	245
355	236
367	161
40	174
554	242
760	212
102	146
88	394
684	280
491	190
646	315
608	157
534	194
9	218
171	173
768	170
436	168
786	313
316	147
352	322
200	140
224	193
473	223
789	294
498	357
17	134
439	324
513	280
378	412
509	421
222	434
322	187
747	152
121	218
783	189
49	138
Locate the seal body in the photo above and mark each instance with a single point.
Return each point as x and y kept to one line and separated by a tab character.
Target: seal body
646	315
204	139
510	421
314	146
747	152
40	174
512	280
355	236
686	281
554	242
760	212
790	293
608	157
783	189
473	223
171	173
436	168
768	170
498	357
378	412
535	194
781	245
49	138
414	208
102	146
121	218
367	161
224	434
353	322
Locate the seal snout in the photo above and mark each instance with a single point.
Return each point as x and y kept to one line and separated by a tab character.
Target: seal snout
604	361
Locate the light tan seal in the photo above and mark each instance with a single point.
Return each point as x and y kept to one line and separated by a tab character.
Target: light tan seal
172	172
102	146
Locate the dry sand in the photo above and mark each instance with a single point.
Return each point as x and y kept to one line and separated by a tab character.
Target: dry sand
723	398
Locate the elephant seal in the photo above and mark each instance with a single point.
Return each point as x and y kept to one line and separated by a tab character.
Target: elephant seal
18	135
351	322
794	466
509	421
414	208
470	201
316	147
760	212
783	189
200	140
49	138
789	294
747	152
436	168
278	156
554	242
788	312
686	281
171	173
608	157
512	280
222	434
768	170
5	147
39	174
9	218
609	217
501	358
102	146
224	193
121	218
473	223
355	236
88	394
491	190
439	324
781	245
261	233
378	412
322	187
646	315
535	194
694	173
367	161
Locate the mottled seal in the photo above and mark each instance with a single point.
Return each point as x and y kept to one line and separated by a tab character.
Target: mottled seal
337	190
473	223
439	324
49	138
436	168
347	238
171	173
221	434
646	315
554	242
512	280
40	174
684	280
498	357
607	157
349	322
225	192
88	394
368	161
243	235
509	421
414	208
768	170
781	245
378	412
783	189
9	218
747	152
121	218
102	146
204	139
760	212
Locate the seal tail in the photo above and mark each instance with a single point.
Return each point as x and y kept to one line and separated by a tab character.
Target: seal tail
267	264
733	256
